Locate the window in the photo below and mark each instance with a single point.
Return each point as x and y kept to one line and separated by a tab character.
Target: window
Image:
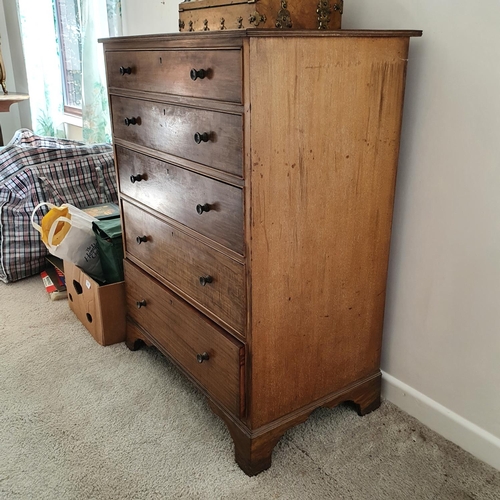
68	28
65	64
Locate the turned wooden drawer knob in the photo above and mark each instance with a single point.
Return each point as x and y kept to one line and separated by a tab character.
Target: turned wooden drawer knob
205	279
136	178
203	208
125	71
203	137
140	303
197	73
130	121
141	239
202	357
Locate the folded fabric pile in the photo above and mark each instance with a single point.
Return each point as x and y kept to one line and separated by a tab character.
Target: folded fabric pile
34	169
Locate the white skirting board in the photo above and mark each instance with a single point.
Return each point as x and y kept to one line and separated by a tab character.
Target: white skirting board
440	419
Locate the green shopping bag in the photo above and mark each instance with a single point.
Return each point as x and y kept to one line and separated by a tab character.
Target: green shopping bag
110	245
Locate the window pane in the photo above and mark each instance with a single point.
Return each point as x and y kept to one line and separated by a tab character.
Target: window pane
68	20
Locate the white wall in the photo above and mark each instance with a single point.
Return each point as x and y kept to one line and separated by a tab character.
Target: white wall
17	55
141	17
11	121
442	326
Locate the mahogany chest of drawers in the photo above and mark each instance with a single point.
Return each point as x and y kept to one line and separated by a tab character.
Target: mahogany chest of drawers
256	171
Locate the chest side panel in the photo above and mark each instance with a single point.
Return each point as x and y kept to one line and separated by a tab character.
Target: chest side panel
325	128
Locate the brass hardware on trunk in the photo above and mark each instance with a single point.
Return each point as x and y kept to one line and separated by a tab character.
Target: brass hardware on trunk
283	19
181	25
249	14
191	26
255	18
323	10
205	25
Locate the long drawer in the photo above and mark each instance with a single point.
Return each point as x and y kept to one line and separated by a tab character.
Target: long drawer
212	279
204	136
171	72
213	358
210	207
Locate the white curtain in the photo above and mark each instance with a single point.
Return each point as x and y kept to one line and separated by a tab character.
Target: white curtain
42	66
99	19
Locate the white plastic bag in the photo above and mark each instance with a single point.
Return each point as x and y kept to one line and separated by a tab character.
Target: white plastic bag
79	244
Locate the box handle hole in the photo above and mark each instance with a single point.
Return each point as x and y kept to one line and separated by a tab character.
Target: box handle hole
78	287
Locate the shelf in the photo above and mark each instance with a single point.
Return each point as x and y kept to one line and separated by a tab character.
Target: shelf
6	100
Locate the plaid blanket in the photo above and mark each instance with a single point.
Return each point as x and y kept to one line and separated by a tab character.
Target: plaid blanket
35	169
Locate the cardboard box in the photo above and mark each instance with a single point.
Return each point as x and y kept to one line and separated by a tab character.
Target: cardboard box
101	309
103	211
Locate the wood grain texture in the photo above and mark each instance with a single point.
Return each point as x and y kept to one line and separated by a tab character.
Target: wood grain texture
169	72
171	129
184	333
253	448
234	38
182	260
175	192
189	102
262	14
324	155
136	338
310	158
192	166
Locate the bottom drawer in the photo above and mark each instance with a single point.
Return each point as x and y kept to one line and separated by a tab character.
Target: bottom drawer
209	354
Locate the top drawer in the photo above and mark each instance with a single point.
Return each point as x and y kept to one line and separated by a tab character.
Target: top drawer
170	72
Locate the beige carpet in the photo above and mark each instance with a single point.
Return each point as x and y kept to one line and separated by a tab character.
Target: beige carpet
81	421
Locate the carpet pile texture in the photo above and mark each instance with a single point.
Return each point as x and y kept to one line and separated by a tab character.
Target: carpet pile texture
81	421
